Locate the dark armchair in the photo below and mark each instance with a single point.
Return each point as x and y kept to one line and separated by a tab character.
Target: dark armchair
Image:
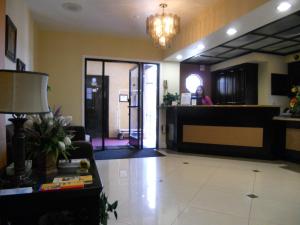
84	149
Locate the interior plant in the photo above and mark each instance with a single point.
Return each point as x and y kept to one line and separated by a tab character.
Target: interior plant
47	138
169	98
295	101
106	208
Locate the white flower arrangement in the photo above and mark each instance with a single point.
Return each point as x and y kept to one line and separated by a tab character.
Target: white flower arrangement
47	134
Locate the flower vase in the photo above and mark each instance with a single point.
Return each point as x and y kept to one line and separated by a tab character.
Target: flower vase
46	164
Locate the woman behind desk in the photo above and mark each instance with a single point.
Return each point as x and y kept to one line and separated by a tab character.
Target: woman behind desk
202	99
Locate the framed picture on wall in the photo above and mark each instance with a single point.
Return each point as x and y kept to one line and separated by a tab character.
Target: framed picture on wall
123	98
10	39
20	65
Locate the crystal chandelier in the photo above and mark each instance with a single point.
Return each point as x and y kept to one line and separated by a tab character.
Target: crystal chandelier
163	27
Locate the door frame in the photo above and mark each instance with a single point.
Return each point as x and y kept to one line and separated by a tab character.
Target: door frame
139	140
140	64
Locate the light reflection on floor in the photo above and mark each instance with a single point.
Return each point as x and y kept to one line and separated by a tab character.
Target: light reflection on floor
206	191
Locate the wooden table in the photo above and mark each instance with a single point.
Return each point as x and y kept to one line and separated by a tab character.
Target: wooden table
80	205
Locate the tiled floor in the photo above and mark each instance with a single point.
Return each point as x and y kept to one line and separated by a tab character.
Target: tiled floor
202	190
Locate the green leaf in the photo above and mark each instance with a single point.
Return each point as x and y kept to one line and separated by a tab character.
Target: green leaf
114	205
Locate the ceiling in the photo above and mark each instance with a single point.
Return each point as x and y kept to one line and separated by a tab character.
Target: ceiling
124	17
281	37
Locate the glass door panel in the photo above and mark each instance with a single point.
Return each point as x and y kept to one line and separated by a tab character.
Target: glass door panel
150	80
134	108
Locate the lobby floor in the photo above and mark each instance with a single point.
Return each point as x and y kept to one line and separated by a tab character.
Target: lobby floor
202	190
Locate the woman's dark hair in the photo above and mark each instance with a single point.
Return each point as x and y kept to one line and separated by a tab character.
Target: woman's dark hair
203	91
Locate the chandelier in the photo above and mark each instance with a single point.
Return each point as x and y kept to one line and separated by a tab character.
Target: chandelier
163	27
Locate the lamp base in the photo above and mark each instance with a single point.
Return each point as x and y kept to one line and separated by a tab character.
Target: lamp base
18	141
17	181
22	180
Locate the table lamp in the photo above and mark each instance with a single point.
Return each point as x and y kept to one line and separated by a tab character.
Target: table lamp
22	93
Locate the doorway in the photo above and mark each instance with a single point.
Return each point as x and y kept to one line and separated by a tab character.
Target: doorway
120	100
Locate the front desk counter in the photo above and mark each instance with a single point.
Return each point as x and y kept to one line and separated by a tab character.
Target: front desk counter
288	137
234	130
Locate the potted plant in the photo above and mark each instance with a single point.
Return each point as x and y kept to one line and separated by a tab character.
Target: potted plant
106	208
169	98
47	139
295	102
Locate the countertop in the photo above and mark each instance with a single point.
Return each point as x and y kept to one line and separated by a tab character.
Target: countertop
286	118
216	106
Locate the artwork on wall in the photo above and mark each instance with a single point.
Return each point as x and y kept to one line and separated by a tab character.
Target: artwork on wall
20	65
10	39
123	98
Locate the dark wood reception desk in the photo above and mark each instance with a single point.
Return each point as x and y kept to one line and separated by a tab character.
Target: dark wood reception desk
222	129
288	137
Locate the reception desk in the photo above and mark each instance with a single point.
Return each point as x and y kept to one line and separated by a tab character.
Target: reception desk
288	137
222	129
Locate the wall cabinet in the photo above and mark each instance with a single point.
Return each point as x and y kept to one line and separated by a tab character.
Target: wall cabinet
294	73
236	85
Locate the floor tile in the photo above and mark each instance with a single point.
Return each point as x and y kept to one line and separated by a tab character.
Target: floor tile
276	212
207	190
194	216
222	200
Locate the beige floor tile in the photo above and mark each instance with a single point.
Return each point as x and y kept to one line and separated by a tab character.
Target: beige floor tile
194	216
209	190
238	180
262	222
223	201
277	212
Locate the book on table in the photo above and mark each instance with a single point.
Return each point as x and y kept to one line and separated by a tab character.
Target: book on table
67	182
88	179
62	186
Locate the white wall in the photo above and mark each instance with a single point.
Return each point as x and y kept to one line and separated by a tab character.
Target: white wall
19	13
267	64
171	72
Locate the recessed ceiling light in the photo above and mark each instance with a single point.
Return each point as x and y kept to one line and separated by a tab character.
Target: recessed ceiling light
179	57
284	6
201	46
72	6
231	31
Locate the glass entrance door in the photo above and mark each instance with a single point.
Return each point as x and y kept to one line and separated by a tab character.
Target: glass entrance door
135	134
150	100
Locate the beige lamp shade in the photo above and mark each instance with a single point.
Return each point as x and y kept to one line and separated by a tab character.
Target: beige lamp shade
23	92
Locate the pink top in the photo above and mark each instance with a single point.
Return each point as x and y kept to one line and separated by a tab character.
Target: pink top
207	101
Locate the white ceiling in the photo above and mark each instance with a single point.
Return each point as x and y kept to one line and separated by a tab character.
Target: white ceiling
124	17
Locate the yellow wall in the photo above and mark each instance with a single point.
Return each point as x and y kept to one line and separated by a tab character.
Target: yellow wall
60	54
210	20
169	71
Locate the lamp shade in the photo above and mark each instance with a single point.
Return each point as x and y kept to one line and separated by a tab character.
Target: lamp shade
23	92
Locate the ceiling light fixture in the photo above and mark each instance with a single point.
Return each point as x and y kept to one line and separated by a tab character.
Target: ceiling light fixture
179	57
163	27
231	31
284	6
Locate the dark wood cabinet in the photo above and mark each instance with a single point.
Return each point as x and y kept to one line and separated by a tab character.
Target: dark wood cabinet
294	73
236	85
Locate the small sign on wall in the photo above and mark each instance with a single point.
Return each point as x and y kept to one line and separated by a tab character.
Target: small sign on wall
123	98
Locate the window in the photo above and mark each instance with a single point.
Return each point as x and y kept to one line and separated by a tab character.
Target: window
192	82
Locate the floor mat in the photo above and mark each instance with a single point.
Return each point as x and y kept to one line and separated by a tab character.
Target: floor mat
126	154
